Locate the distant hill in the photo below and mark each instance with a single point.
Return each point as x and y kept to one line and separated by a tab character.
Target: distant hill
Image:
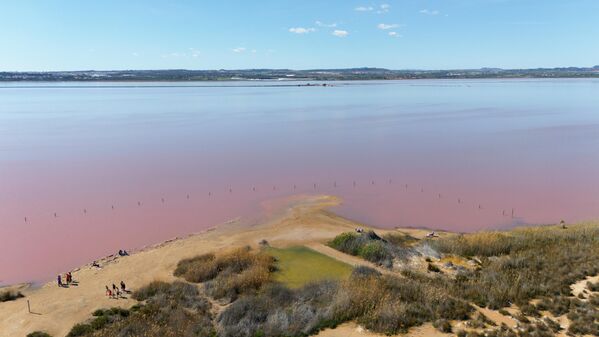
288	74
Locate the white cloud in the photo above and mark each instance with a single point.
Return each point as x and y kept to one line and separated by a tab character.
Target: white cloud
136	54
394	34
340	33
194	52
384	8
238	50
191	52
385	26
364	9
301	30
429	12
328	25
254	51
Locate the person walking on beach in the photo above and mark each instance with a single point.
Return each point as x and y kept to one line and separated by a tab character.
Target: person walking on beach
59	280
108	292
123	287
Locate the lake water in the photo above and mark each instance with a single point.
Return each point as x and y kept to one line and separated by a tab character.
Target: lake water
87	169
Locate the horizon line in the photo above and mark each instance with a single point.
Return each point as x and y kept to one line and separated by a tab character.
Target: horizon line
305	69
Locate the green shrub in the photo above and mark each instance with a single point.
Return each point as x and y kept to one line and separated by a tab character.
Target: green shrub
373	248
38	334
80	330
347	243
374	251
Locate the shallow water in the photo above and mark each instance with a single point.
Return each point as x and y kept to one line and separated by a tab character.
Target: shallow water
469	151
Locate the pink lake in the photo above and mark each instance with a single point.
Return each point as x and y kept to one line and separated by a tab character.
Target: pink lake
78	150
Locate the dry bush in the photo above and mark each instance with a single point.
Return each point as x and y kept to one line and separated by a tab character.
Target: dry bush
515	267
229	274
279	311
381	303
10	295
170	309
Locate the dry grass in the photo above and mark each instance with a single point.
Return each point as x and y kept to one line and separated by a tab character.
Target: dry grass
169	310
523	264
230	274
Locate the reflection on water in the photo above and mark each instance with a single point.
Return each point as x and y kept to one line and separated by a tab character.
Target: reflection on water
125	165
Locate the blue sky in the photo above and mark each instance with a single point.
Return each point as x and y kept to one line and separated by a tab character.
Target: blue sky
396	34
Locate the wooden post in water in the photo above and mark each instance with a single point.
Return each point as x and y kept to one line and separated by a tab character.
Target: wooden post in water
512	212
28	307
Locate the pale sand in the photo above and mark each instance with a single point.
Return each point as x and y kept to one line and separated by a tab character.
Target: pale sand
299	220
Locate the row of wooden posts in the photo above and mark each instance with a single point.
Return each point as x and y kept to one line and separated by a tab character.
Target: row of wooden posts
314	186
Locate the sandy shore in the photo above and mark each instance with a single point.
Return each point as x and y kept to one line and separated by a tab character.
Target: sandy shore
299	220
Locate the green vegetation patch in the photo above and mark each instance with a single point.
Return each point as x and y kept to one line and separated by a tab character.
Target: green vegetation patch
297	266
373	248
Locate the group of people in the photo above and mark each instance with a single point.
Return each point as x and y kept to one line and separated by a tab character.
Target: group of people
116	292
66	281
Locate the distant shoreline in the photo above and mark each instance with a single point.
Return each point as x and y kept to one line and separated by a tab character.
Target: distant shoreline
351	74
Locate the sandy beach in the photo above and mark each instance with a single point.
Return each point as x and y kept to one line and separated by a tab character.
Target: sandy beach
297	221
